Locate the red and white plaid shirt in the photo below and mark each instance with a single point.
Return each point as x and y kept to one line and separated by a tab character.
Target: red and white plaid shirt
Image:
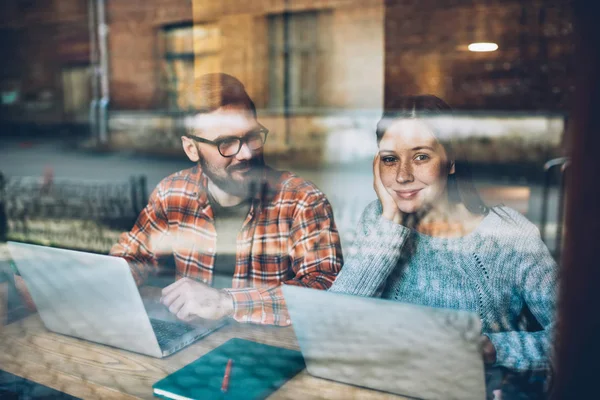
289	237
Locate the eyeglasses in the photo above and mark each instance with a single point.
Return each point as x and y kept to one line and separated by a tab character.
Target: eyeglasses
231	145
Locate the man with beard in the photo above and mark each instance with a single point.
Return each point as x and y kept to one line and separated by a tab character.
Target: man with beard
236	228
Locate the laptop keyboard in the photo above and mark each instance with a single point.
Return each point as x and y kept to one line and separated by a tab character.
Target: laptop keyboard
168	331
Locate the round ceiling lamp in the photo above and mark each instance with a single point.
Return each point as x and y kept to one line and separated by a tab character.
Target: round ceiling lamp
482	27
481	47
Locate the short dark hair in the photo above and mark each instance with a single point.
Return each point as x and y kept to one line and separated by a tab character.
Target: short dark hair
460	185
216	90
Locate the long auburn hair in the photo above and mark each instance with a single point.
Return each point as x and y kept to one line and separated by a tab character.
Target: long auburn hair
460	185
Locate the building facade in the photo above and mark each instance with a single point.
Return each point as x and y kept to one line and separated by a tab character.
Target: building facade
320	71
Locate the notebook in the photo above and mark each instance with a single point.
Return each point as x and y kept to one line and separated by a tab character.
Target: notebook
257	371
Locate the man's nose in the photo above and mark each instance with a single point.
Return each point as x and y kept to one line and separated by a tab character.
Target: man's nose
245	153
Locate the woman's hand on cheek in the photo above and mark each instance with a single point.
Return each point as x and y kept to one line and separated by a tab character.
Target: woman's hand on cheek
390	208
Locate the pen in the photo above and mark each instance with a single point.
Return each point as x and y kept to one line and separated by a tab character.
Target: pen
225	384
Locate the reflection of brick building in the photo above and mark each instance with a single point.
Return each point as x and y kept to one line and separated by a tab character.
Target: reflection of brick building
45	47
335	64
339	53
344	38
532	69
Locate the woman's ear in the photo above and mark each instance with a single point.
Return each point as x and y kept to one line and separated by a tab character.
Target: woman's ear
452	169
190	148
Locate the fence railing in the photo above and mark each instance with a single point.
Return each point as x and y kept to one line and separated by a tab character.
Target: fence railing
77	214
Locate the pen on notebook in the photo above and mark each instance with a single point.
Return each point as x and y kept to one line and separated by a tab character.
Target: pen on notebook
225	384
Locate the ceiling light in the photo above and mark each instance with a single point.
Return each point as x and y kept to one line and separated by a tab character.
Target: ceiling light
482	47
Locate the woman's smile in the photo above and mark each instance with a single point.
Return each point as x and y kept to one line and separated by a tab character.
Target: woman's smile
407	194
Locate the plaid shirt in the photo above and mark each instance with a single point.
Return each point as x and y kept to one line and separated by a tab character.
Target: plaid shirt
289	237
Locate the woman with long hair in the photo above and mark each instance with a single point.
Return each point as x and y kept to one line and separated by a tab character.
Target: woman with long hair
429	239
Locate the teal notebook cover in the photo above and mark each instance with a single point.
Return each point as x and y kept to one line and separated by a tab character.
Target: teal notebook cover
257	371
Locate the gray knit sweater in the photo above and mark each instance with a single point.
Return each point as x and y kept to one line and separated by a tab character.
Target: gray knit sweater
498	270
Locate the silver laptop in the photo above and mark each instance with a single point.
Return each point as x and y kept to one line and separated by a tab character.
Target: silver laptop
405	349
94	297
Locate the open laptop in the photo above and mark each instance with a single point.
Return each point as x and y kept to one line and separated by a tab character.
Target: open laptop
94	297
405	349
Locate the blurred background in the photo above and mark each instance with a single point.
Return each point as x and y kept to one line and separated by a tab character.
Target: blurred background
92	93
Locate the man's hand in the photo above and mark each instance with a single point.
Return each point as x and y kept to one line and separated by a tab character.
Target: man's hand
189	299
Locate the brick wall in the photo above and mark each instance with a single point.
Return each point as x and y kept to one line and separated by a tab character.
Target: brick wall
39	38
425	52
402	47
134	49
352	78
356	29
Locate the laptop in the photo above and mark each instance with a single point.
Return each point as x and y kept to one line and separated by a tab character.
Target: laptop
94	297
410	350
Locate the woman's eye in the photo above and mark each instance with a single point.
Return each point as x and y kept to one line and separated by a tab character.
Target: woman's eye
422	157
388	159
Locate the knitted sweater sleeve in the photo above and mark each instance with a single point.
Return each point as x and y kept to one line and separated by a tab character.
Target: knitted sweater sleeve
373	255
536	284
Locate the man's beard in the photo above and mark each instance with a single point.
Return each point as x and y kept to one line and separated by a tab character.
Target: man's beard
246	186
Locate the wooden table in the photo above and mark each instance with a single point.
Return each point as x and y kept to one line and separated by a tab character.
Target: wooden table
89	371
